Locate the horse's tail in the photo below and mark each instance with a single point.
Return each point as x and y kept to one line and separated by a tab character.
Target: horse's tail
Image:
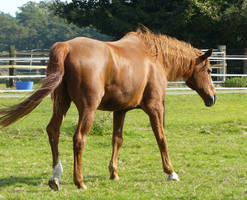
55	72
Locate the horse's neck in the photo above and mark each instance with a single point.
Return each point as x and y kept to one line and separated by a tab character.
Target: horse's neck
177	67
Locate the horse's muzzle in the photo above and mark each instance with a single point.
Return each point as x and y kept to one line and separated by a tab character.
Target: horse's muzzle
211	101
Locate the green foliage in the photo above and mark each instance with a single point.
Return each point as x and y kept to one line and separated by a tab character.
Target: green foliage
205	23
236	82
36	27
9	31
207	147
102	124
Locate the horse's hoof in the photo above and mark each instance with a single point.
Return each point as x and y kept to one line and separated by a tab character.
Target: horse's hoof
114	178
173	177
54	184
82	186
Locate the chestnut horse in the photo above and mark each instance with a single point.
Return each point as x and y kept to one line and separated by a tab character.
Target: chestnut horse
132	72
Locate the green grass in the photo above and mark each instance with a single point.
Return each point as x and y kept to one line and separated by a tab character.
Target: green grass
207	146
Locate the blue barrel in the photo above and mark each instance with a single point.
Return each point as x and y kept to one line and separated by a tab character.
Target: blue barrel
24	85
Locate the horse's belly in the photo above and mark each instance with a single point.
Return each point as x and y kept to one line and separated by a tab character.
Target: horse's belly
118	100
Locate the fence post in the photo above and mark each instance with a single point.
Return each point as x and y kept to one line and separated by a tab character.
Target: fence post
12	54
245	61
43	63
223	70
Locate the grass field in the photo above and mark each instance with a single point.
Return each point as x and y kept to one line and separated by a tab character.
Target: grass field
207	146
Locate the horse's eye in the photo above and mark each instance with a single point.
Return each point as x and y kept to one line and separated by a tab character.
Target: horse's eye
209	71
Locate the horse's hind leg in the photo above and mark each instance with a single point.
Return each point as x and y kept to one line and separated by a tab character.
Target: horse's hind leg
117	140
86	116
60	107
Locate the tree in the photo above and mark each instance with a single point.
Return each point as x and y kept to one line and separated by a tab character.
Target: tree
204	23
117	17
36	27
43	27
9	31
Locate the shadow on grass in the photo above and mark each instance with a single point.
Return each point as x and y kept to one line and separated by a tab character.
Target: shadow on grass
13	180
94	178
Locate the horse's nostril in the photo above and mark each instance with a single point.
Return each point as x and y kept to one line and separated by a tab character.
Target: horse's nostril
210	101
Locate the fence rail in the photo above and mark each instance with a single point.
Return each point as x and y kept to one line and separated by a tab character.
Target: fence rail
35	59
25	59
229	57
212	58
23	76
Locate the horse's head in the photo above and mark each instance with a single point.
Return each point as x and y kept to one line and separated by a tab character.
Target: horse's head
201	81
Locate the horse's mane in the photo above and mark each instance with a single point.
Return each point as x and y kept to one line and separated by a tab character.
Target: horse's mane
173	53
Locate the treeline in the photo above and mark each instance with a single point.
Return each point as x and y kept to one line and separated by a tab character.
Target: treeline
204	23
36	27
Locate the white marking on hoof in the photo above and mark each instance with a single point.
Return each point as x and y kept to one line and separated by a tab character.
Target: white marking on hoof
57	171
173	177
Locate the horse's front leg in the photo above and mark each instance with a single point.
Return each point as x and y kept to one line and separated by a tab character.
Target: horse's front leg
155	111
117	140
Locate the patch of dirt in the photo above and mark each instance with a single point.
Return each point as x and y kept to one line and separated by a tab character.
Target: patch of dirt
244	132
19	189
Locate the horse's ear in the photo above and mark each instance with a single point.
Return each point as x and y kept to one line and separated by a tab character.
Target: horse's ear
204	56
